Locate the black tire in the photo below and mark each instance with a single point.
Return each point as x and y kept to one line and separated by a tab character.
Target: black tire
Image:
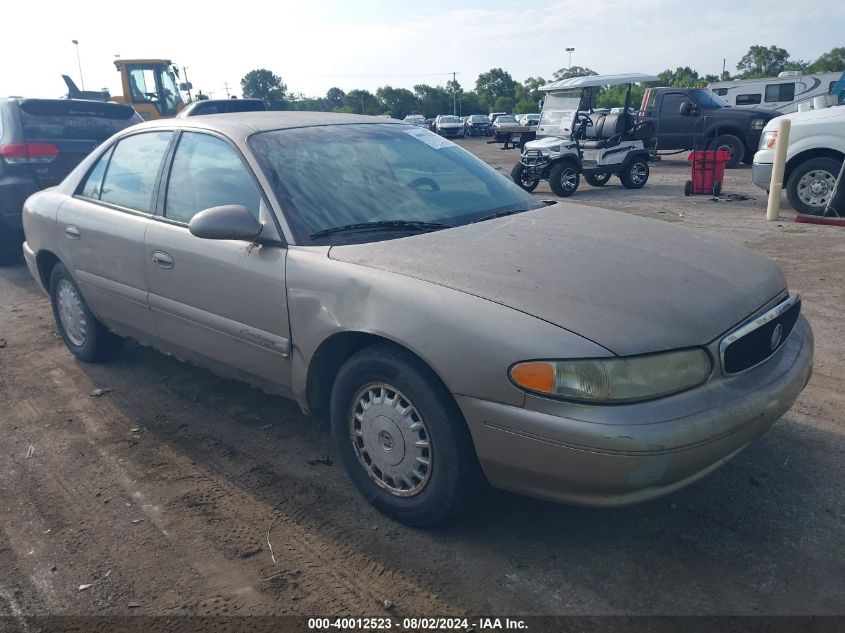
520	178
717	189
564	178
453	479
733	145
11	246
635	174
597	180
819	173
97	343
688	188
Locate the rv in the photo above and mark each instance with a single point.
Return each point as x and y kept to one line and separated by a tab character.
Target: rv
782	94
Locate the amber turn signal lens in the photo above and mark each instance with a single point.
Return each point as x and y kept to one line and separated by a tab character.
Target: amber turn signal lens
535	376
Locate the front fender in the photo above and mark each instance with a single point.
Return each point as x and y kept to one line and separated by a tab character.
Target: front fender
469	342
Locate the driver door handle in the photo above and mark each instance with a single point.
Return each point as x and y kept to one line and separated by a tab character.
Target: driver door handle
162	259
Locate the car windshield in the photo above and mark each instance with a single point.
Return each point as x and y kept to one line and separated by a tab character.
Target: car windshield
478	118
558	106
449	119
330	176
505	118
708	100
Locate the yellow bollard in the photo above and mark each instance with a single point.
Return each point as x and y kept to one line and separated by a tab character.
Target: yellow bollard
776	184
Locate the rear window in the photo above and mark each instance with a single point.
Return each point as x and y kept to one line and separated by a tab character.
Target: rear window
74	119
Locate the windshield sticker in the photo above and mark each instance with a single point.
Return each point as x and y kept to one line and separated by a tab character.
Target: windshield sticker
430	138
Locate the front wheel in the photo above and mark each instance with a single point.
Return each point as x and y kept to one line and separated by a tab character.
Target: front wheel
597	180
810	185
521	177
82	333
635	175
402	438
564	179
734	147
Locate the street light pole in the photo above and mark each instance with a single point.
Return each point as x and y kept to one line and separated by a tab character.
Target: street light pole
570	51
79	63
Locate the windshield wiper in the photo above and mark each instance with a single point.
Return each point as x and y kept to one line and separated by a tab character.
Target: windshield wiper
500	214
383	225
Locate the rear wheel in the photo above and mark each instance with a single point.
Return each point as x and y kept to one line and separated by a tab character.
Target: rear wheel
82	333
402	438
521	177
11	243
597	180
564	178
811	184
635	175
733	146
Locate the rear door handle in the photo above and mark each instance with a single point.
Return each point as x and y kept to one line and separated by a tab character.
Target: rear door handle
162	259
72	232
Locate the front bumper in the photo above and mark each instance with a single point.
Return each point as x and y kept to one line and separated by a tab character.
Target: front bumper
761	175
617	455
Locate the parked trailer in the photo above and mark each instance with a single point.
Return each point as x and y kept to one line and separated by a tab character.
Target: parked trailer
783	93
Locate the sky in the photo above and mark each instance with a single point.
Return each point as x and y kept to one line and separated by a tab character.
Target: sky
316	44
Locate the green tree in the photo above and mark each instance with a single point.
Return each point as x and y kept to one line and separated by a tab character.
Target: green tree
760	61
494	85
470	103
397	102
263	84
573	71
334	98
361	102
684	77
433	100
532	88
830	62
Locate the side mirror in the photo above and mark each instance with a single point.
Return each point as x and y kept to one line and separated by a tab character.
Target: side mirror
228	222
689	109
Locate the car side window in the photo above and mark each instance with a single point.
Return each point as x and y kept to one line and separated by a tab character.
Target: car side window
93	183
671	104
207	172
132	172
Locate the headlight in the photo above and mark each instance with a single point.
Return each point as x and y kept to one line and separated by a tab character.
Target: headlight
758	124
612	380
768	140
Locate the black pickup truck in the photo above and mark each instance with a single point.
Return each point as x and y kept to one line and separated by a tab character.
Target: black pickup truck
695	118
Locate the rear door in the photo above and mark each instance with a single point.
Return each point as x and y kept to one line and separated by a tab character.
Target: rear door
222	300
60	133
102	231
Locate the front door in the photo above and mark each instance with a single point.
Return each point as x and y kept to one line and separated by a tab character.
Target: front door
221	300
102	232
675	129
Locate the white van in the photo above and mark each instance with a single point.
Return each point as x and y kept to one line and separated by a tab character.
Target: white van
783	93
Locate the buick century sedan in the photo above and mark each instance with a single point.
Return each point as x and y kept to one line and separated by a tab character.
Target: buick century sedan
450	329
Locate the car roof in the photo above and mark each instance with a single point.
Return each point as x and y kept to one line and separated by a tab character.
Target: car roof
590	81
244	123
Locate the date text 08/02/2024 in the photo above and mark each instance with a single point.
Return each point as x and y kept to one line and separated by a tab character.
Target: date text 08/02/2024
416	624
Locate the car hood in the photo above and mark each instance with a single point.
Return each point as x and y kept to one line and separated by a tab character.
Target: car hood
630	284
450	124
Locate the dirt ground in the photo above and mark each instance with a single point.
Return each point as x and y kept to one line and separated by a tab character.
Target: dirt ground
158	496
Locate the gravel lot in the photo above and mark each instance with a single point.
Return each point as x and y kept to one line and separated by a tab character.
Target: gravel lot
160	494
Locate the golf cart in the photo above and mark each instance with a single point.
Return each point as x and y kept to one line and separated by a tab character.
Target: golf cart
574	138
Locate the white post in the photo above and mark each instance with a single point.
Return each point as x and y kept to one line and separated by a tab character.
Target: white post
776	184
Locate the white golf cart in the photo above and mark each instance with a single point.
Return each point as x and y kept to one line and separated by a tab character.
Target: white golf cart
574	138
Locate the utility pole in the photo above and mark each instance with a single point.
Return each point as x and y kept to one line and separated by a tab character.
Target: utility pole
79	63
724	60
226	87
454	93
185	70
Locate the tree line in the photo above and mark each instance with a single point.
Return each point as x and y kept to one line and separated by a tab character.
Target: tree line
497	91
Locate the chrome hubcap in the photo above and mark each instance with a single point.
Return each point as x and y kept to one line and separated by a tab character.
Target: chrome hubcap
816	187
71	313
638	173
390	439
567	178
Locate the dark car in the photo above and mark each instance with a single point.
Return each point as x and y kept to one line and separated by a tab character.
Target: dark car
222	106
41	141
476	125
